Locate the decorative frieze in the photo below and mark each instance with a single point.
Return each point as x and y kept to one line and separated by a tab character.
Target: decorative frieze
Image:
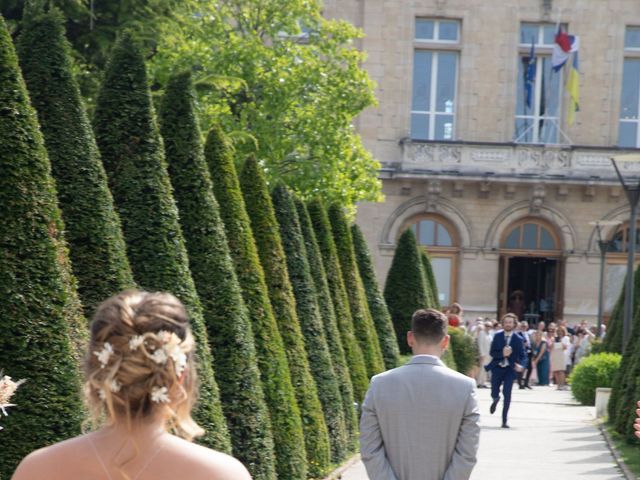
517	160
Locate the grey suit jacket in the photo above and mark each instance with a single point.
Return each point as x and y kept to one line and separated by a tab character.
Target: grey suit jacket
420	422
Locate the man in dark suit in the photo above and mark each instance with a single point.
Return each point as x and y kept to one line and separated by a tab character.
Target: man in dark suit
507	358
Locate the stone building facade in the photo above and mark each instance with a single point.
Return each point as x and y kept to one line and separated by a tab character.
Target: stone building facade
501	190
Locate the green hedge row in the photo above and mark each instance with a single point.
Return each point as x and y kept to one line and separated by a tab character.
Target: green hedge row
133	156
225	313
276	378
97	248
377	305
272	258
327	312
360	315
352	351
35	291
311	323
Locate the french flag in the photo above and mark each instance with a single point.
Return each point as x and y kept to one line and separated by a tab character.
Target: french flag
564	46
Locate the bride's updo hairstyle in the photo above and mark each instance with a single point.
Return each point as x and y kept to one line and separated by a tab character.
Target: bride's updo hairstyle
140	361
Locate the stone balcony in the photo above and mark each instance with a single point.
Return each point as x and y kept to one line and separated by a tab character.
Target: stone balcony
509	161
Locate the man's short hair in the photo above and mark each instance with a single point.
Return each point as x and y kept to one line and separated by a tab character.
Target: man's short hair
429	326
510	315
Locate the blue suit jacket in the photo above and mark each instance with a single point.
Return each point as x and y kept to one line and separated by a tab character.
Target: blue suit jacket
518	354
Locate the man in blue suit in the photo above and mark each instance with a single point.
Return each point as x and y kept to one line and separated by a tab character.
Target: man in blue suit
508	356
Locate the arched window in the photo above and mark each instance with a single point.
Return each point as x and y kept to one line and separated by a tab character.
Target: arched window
440	239
432	233
619	241
531	235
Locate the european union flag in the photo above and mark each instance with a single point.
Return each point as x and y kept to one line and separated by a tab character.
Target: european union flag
529	74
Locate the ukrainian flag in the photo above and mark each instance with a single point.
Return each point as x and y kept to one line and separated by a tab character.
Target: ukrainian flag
573	87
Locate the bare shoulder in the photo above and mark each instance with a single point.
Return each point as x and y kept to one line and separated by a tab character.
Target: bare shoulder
48	461
208	464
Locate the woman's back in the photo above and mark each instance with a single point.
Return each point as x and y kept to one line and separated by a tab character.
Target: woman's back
97	454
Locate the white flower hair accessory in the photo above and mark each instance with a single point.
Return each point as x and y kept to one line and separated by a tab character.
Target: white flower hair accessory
105	354
160	395
135	342
7	388
179	358
160	356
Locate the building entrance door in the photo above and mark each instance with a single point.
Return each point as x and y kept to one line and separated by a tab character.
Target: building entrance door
531	287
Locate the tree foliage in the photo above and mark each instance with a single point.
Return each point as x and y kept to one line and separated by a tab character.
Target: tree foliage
291	80
362	321
327	312
96	244
405	290
375	300
272	257
286	422
35	290
225	313
133	155
352	351
310	320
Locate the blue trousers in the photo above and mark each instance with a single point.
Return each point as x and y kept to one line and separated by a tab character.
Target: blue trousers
505	377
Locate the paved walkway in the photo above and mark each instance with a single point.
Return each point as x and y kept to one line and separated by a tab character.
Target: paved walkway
551	437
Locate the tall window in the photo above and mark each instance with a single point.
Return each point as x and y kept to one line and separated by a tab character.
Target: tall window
440	239
435	72
538	119
628	131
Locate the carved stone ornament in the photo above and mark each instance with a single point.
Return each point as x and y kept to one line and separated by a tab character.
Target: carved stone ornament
449	154
537	198
422	153
434	189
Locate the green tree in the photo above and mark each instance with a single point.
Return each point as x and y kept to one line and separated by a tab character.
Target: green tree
352	351
360	314
132	152
225	313
308	313
34	289
430	280
272	257
286	422
327	312
92	28
377	305
295	93
405	290
97	248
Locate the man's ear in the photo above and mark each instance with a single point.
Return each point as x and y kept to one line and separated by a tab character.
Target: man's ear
444	343
410	339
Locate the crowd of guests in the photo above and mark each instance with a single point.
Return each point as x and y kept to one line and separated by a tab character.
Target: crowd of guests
553	348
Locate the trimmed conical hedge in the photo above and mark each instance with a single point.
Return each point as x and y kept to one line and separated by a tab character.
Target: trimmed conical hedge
133	156
97	249
377	305
328	315
430	280
625	383
225	313
272	257
352	351
310	321
35	341
360	314
286	422
405	290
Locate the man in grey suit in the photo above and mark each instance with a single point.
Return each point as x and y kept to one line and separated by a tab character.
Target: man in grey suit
420	421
